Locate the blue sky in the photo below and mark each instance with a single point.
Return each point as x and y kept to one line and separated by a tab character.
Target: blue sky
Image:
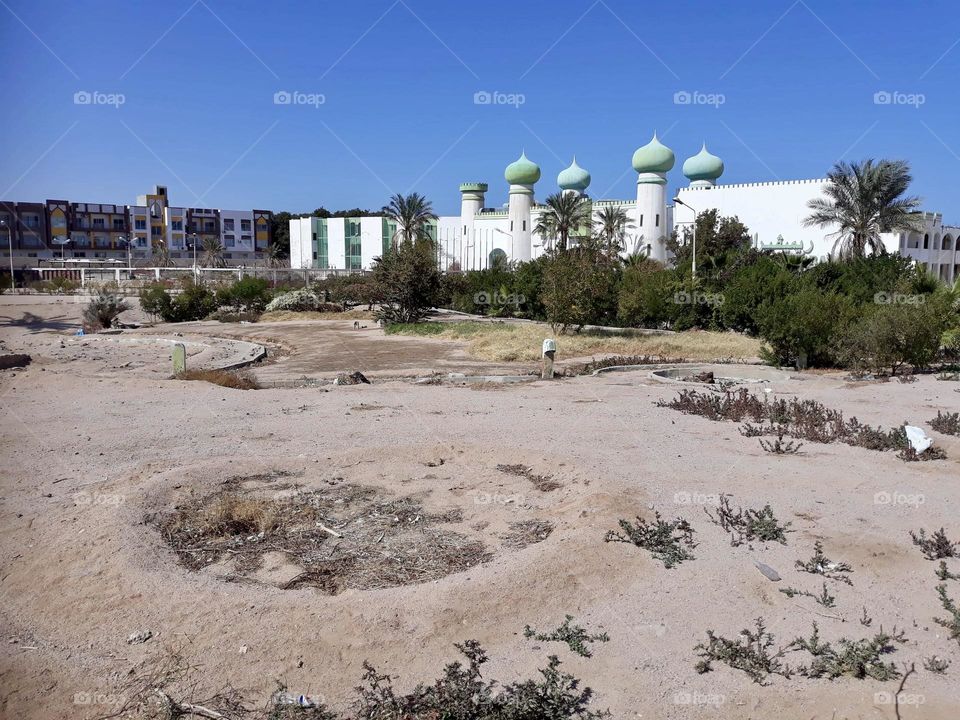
780	89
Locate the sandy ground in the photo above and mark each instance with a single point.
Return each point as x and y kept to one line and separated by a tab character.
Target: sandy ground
90	448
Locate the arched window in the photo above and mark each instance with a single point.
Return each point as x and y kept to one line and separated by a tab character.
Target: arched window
497	257
926	241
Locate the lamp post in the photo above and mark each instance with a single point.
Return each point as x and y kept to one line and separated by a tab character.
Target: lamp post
192	245
127	243
3	224
678	201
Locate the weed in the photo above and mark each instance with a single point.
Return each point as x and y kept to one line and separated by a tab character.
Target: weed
574	636
524	533
749	524
667	541
824	598
906	379
750	652
951	623
235	379
857	658
936	547
944	574
820	564
865	619
779	447
908	454
947	423
543	483
936	665
949	376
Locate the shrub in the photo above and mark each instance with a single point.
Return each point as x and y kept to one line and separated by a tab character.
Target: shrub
645	297
751	286
155	300
666	541
102	310
936	547
235	379
802	328
947	423
578	289
295	301
750	652
574	636
248	295
407	282
748	525
195	302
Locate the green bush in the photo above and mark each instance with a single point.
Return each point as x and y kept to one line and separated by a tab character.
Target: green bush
802	328
406	282
246	295
102	310
579	289
194	302
645	297
750	287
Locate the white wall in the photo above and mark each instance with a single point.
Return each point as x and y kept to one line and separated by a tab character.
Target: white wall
336	236
301	249
371	244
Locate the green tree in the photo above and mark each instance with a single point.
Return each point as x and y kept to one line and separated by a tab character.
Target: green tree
407	282
578	289
212	255
645	297
412	213
612	223
563	215
865	199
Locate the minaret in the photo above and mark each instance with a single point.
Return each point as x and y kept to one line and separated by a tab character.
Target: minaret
703	169
522	174
471	202
652	162
574	179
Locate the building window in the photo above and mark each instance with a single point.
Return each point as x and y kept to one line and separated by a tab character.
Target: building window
524	225
229	241
32	221
641	221
228	224
209	227
658	220
511	226
140	224
156	230
245	226
177	225
58	221
119	223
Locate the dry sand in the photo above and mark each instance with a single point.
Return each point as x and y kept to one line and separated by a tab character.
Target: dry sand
90	447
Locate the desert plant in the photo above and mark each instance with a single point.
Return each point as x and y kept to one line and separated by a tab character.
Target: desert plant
102	310
935	547
235	379
574	636
865	619
947	423
248	295
748	525
751	652
824	598
407	281
936	665
666	541
779	447
951	623
944	574
859	659
820	564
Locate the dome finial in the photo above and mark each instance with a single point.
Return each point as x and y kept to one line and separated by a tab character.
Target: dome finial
654	157
704	168
574	177
522	171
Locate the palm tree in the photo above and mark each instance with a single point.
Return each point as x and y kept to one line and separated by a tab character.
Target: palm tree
564	214
212	252
612	225
161	255
413	214
864	200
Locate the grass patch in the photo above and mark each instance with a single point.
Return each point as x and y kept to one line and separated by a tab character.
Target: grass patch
342	537
668	542
522	342
235	379
574	636
288	315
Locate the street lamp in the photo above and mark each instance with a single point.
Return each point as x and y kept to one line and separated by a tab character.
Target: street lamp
192	239
3	224
678	201
128	243
63	249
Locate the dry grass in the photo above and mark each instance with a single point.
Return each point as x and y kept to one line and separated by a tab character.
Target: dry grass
285	315
522	342
342	537
235	379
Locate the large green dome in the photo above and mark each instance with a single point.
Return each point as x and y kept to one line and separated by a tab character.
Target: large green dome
654	157
574	178
522	172
703	166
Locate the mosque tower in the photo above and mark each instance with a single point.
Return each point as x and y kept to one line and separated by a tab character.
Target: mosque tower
471	202
522	175
703	169
574	179
652	162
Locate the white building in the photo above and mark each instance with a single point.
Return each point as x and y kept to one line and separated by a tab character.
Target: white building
773	211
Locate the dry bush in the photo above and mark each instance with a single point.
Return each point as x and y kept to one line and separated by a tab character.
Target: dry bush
935	547
235	379
543	483
524	533
947	423
748	525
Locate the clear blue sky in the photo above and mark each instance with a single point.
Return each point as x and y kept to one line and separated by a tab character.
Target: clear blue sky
198	79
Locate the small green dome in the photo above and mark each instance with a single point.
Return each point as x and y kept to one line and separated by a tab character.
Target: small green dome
522	171
574	177
703	166
654	157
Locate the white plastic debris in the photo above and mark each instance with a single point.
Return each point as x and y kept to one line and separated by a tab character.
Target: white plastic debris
918	439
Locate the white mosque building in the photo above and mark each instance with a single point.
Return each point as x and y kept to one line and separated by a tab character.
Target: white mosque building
480	235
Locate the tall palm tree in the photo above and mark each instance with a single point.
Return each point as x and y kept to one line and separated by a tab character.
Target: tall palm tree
161	255
864	200
212	252
413	214
612	224
564	215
